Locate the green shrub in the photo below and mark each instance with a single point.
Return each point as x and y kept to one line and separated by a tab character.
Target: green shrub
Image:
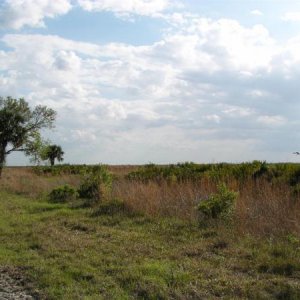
112	207
189	171
96	184
59	169
219	205
63	194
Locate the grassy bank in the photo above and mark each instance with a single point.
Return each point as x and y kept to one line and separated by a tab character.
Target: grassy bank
76	253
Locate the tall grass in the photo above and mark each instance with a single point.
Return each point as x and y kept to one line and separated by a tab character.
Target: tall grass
163	198
264	207
26	182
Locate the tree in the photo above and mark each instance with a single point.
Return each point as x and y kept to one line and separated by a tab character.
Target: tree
20	127
53	152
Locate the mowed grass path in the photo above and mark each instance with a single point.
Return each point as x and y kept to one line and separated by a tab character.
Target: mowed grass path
69	253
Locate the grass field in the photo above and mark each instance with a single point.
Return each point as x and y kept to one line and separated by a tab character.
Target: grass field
115	251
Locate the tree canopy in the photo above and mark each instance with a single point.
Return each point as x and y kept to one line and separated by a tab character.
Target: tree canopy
20	126
52	152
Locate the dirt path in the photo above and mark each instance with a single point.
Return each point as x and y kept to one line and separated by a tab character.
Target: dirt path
12	286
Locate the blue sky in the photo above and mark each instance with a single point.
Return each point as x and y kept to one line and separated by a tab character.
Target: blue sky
135	81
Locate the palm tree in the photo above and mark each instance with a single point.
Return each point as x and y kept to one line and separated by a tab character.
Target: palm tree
54	152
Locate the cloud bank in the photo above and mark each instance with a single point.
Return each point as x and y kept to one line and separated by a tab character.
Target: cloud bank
209	90
291	16
141	7
15	14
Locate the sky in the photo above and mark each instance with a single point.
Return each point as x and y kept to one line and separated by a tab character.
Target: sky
162	81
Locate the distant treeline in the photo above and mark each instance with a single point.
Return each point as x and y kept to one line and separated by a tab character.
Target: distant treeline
60	169
273	172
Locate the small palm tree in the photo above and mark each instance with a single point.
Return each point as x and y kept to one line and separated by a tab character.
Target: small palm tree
53	152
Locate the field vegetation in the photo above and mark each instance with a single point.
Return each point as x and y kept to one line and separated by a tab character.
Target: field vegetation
182	231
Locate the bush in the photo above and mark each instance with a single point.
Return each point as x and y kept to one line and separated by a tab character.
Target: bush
63	194
219	205
59	169
112	207
96	184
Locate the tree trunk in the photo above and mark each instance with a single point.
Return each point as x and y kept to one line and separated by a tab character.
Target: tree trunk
52	159
2	159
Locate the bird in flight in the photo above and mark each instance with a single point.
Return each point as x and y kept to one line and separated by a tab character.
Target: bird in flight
297	153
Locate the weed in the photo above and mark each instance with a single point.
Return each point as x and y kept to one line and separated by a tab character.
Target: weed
96	183
62	194
112	207
219	205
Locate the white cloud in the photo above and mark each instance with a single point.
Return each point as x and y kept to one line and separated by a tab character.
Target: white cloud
271	120
15	14
206	84
66	61
234	111
125	7
215	118
258	93
226	41
291	16
83	136
256	12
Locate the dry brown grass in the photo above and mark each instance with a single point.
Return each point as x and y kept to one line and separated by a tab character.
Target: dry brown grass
24	181
163	199
122	170
262	208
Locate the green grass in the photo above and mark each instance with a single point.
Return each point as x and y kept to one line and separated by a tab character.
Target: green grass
73	253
